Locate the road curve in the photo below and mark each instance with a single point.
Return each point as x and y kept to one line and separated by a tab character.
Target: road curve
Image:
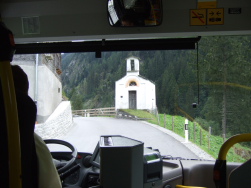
85	134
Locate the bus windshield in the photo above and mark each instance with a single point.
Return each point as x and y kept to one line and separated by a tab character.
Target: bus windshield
205	91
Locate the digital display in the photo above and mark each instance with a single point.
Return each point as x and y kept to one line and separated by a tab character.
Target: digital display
151	157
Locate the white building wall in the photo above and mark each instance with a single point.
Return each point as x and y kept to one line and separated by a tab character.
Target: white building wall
145	93
49	92
121	96
49	87
150	96
145	90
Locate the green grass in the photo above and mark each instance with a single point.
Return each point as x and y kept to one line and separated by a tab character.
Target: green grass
197	135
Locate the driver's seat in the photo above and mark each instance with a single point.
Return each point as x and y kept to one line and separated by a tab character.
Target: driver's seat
29	160
27	117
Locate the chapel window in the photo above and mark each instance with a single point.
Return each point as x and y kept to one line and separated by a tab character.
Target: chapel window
132	65
132	83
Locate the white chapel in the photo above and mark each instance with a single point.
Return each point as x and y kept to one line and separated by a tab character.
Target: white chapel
133	91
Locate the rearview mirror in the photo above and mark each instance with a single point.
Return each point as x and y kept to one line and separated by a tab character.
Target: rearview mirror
131	13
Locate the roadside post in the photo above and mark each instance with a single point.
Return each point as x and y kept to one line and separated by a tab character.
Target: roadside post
186	130
209	134
164	120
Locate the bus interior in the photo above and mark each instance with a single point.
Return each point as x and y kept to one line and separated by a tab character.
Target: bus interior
78	26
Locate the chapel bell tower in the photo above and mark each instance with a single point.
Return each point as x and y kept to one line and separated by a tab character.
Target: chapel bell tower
132	66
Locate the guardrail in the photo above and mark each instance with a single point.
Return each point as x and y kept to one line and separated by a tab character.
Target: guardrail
111	111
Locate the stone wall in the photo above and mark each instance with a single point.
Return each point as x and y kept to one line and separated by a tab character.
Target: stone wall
58	124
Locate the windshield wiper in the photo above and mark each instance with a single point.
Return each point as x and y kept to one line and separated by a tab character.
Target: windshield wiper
170	157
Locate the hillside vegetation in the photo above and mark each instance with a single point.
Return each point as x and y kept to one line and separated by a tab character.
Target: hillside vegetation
197	135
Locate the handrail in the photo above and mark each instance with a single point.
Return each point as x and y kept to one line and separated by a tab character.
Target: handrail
7	49
183	186
12	125
230	142
220	164
109	111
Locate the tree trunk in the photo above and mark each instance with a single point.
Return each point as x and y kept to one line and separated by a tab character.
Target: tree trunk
224	103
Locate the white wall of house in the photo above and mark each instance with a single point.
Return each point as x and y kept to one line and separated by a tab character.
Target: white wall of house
49	92
46	91
144	89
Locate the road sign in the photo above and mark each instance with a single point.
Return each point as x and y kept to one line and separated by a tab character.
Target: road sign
198	17
215	16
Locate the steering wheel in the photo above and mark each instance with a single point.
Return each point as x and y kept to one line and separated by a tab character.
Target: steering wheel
63	166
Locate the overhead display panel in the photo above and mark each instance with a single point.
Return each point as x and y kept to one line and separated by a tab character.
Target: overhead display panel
207	4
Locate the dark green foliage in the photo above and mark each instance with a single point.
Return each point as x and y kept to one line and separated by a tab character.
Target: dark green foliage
224	81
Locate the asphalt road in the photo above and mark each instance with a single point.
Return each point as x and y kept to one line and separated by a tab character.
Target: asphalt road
86	132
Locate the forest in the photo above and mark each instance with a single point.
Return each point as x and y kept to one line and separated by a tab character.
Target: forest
210	85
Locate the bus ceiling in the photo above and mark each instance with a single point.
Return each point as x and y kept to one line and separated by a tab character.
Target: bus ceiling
36	21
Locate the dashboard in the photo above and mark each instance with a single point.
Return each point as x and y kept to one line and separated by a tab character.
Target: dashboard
175	172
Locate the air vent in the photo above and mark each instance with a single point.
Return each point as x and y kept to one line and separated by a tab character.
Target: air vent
31	25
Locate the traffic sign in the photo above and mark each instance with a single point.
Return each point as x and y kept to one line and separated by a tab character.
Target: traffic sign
215	16
198	16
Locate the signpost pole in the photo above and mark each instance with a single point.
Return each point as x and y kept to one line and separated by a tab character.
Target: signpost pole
186	130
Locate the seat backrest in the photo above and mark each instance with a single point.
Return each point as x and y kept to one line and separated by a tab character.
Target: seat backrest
4	170
27	116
